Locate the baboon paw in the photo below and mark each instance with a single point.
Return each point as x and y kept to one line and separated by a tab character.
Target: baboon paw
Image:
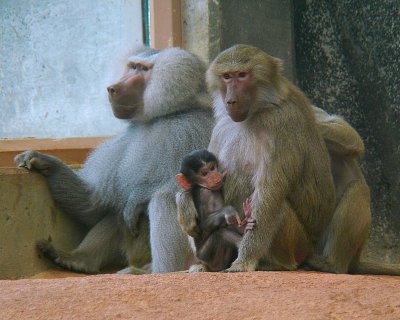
32	160
133	270
232	218
47	249
64	260
242	267
197	268
23	160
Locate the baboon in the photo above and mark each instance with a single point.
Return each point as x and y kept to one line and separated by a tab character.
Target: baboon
249	94
340	243
220	229
125	192
266	137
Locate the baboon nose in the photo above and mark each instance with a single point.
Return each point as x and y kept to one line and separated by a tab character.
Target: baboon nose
111	90
231	102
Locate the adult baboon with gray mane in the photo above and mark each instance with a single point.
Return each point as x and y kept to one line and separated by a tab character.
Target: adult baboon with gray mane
128	181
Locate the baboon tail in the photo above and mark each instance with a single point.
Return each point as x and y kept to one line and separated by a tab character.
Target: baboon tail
374	267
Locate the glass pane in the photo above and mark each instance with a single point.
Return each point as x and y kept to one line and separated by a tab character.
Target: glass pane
56	60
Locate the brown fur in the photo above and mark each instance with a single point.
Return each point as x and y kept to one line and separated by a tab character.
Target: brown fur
337	246
340	247
276	154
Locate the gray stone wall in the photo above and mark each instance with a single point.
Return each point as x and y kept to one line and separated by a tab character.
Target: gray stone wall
348	62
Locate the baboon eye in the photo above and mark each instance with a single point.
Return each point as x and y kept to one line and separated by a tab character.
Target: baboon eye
204	173
242	74
133	66
144	68
226	76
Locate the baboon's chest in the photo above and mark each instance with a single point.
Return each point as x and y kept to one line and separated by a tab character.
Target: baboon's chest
211	201
245	156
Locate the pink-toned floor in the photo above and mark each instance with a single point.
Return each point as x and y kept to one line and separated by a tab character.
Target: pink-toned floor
256	295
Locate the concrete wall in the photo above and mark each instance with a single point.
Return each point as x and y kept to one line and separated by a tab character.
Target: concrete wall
55	64
348	62
27	214
211	26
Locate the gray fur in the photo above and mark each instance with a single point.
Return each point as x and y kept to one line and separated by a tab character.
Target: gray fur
133	173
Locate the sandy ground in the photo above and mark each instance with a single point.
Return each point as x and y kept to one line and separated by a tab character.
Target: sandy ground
256	295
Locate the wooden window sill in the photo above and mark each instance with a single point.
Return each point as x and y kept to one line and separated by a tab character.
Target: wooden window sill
72	151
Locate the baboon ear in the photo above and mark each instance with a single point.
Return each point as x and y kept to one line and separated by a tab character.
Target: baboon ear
183	182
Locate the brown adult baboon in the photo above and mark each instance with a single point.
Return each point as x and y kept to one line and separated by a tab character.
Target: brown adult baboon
257	136
127	185
267	138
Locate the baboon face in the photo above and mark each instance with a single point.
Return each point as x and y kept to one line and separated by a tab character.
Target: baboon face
126	96
238	93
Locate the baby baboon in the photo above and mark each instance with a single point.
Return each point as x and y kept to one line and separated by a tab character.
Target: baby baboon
220	229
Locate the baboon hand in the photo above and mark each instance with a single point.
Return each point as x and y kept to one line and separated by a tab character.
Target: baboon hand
248	222
232	218
33	160
247	208
198	268
251	224
242	266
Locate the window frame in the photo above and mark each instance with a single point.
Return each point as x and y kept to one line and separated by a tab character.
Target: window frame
165	23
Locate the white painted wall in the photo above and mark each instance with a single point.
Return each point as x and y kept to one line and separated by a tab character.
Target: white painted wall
55	64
